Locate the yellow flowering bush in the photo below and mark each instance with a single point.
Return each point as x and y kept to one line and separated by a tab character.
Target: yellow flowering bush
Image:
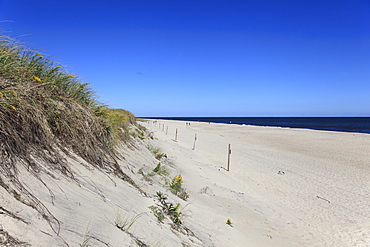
175	184
177	179
175	187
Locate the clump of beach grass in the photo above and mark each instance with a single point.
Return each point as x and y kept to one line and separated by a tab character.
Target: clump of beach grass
161	170
46	114
86	239
125	222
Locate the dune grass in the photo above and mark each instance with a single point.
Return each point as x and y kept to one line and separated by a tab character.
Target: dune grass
47	113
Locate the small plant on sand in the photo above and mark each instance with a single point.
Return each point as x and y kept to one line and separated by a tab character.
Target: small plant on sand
125	222
160	170
86	239
158	213
228	222
175	187
163	207
157	153
154	150
160	156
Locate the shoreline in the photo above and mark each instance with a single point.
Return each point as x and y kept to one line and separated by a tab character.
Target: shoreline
222	120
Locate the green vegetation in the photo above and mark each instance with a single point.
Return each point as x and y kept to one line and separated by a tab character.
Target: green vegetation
166	208
139	131
46	114
174	184
228	222
157	153
160	170
175	187
40	102
158	213
118	122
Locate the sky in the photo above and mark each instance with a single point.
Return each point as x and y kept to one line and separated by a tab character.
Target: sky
246	58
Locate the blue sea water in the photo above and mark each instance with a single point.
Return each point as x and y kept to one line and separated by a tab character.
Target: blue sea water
344	124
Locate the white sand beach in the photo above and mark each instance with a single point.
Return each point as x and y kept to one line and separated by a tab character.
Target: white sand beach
285	187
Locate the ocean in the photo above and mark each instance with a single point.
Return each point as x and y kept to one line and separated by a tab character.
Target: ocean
344	124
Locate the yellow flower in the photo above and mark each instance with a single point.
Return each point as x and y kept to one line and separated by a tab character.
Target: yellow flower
15	94
1	94
36	78
41	57
13	107
58	67
71	76
229	222
38	54
178	178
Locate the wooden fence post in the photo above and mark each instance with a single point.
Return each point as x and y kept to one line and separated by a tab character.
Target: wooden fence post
228	158
194	141
176	136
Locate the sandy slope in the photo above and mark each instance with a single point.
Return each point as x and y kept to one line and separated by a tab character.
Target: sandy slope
285	187
85	211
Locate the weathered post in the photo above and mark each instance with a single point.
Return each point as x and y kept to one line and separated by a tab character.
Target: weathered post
194	141
228	158
166	130
176	136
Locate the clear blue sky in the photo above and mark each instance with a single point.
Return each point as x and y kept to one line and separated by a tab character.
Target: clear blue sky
208	57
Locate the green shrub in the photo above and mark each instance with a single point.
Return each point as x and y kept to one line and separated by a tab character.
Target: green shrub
160	170
166	208
158	213
175	187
